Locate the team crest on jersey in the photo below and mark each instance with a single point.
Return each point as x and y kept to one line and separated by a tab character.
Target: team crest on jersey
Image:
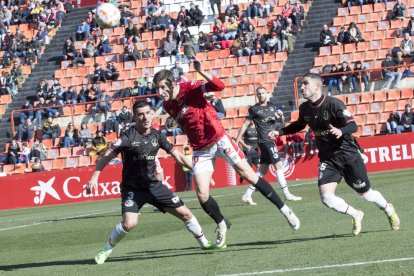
154	142
325	115
288	164
347	113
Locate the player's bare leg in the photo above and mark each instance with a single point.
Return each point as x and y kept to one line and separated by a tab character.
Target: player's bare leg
191	223
377	198
129	221
283	183
330	200
210	206
245	171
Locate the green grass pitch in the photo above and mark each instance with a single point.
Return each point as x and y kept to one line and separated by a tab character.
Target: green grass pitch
62	240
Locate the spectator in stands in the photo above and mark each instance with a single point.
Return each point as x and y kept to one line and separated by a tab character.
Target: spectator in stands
353	34
3	84
327	38
273	43
286	11
187	172
219	30
25	131
83	31
17	72
42	90
296	142
40	113
300	12
99	74
150	22
27	111
103	46
231	29
291	30
410	26
131	52
174	32
357	75
131	33
389	74
407	46
85	137
7	60
111	124
243	26
152	6
104	105
254	10
79	59
70	96
71	137
13	153
30	57
182	78
350	3
155	101
334	80
53	111
51	130
112	72
171	128
18	17
195	14
393	122
341	36
124	116
215	6
398	11
162	22
69	50
37	165
345	78
232	10
125	15
35	12
217	104
24	154
170	47
184	29
99	144
42	36
183	19
310	140
88	49
406	123
56	89
203	42
189	49
38	150
176	70
137	89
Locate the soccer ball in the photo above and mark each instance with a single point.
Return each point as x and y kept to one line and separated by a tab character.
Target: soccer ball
107	15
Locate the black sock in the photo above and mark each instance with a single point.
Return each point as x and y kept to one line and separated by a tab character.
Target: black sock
265	189
212	209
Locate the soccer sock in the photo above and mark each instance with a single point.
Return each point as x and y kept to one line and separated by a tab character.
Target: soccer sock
116	236
338	204
377	198
265	189
194	227
212	209
282	182
250	190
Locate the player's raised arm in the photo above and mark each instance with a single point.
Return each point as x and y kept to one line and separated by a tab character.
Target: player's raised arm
103	161
242	130
213	83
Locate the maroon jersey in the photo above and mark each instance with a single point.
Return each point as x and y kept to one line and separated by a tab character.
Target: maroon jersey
196	117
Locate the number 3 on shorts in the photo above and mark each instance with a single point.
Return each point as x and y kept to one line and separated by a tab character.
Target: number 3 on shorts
130	195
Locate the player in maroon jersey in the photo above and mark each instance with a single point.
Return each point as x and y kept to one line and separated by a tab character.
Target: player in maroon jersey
185	102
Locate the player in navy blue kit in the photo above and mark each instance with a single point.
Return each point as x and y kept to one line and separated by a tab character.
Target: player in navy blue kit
264	115
140	183
339	153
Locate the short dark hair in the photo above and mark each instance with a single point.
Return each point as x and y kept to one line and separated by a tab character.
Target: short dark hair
140	104
314	76
164	74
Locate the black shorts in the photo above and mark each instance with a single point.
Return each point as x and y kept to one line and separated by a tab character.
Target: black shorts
268	153
350	167
252	156
158	195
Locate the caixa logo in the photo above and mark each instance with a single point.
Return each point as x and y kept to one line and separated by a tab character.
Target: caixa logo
72	189
288	164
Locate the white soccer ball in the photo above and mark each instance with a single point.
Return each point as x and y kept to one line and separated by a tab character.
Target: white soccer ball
107	15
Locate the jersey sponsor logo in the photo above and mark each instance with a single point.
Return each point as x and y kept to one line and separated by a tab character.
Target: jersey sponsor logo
359	184
144	157
321	132
288	163
326	115
385	154
265	120
136	143
43	189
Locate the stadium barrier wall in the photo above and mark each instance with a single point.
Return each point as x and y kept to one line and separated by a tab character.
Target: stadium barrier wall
381	153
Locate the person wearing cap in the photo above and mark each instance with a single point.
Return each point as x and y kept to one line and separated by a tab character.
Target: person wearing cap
389	74
131	32
71	137
82	31
51	130
406	123
99	144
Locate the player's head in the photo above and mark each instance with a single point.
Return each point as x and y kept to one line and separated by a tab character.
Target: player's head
143	115
311	87
165	84
261	94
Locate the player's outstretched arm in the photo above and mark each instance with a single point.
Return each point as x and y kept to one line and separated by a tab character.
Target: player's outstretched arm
181	159
103	161
242	130
213	84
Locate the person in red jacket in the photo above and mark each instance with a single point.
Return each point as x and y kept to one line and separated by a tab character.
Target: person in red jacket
185	102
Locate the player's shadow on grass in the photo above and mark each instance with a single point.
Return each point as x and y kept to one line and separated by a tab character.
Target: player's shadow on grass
46	264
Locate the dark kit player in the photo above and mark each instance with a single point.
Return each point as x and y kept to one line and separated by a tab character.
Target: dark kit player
185	102
339	153
264	116
139	147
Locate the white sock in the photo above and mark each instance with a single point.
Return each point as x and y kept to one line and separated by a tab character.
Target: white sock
250	190
338	204
194	227
377	198
285	210
116	236
282	182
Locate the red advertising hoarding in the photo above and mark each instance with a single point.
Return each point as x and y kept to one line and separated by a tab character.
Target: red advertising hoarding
66	186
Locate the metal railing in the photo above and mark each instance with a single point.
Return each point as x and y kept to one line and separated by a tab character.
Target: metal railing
372	73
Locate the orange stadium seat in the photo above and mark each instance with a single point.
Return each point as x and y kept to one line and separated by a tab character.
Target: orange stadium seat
407	93
376	107
401	104
394	94
390	106
372	118
71	162
58	164
368	130
238	122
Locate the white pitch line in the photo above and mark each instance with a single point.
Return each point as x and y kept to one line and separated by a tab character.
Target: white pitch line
321	267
